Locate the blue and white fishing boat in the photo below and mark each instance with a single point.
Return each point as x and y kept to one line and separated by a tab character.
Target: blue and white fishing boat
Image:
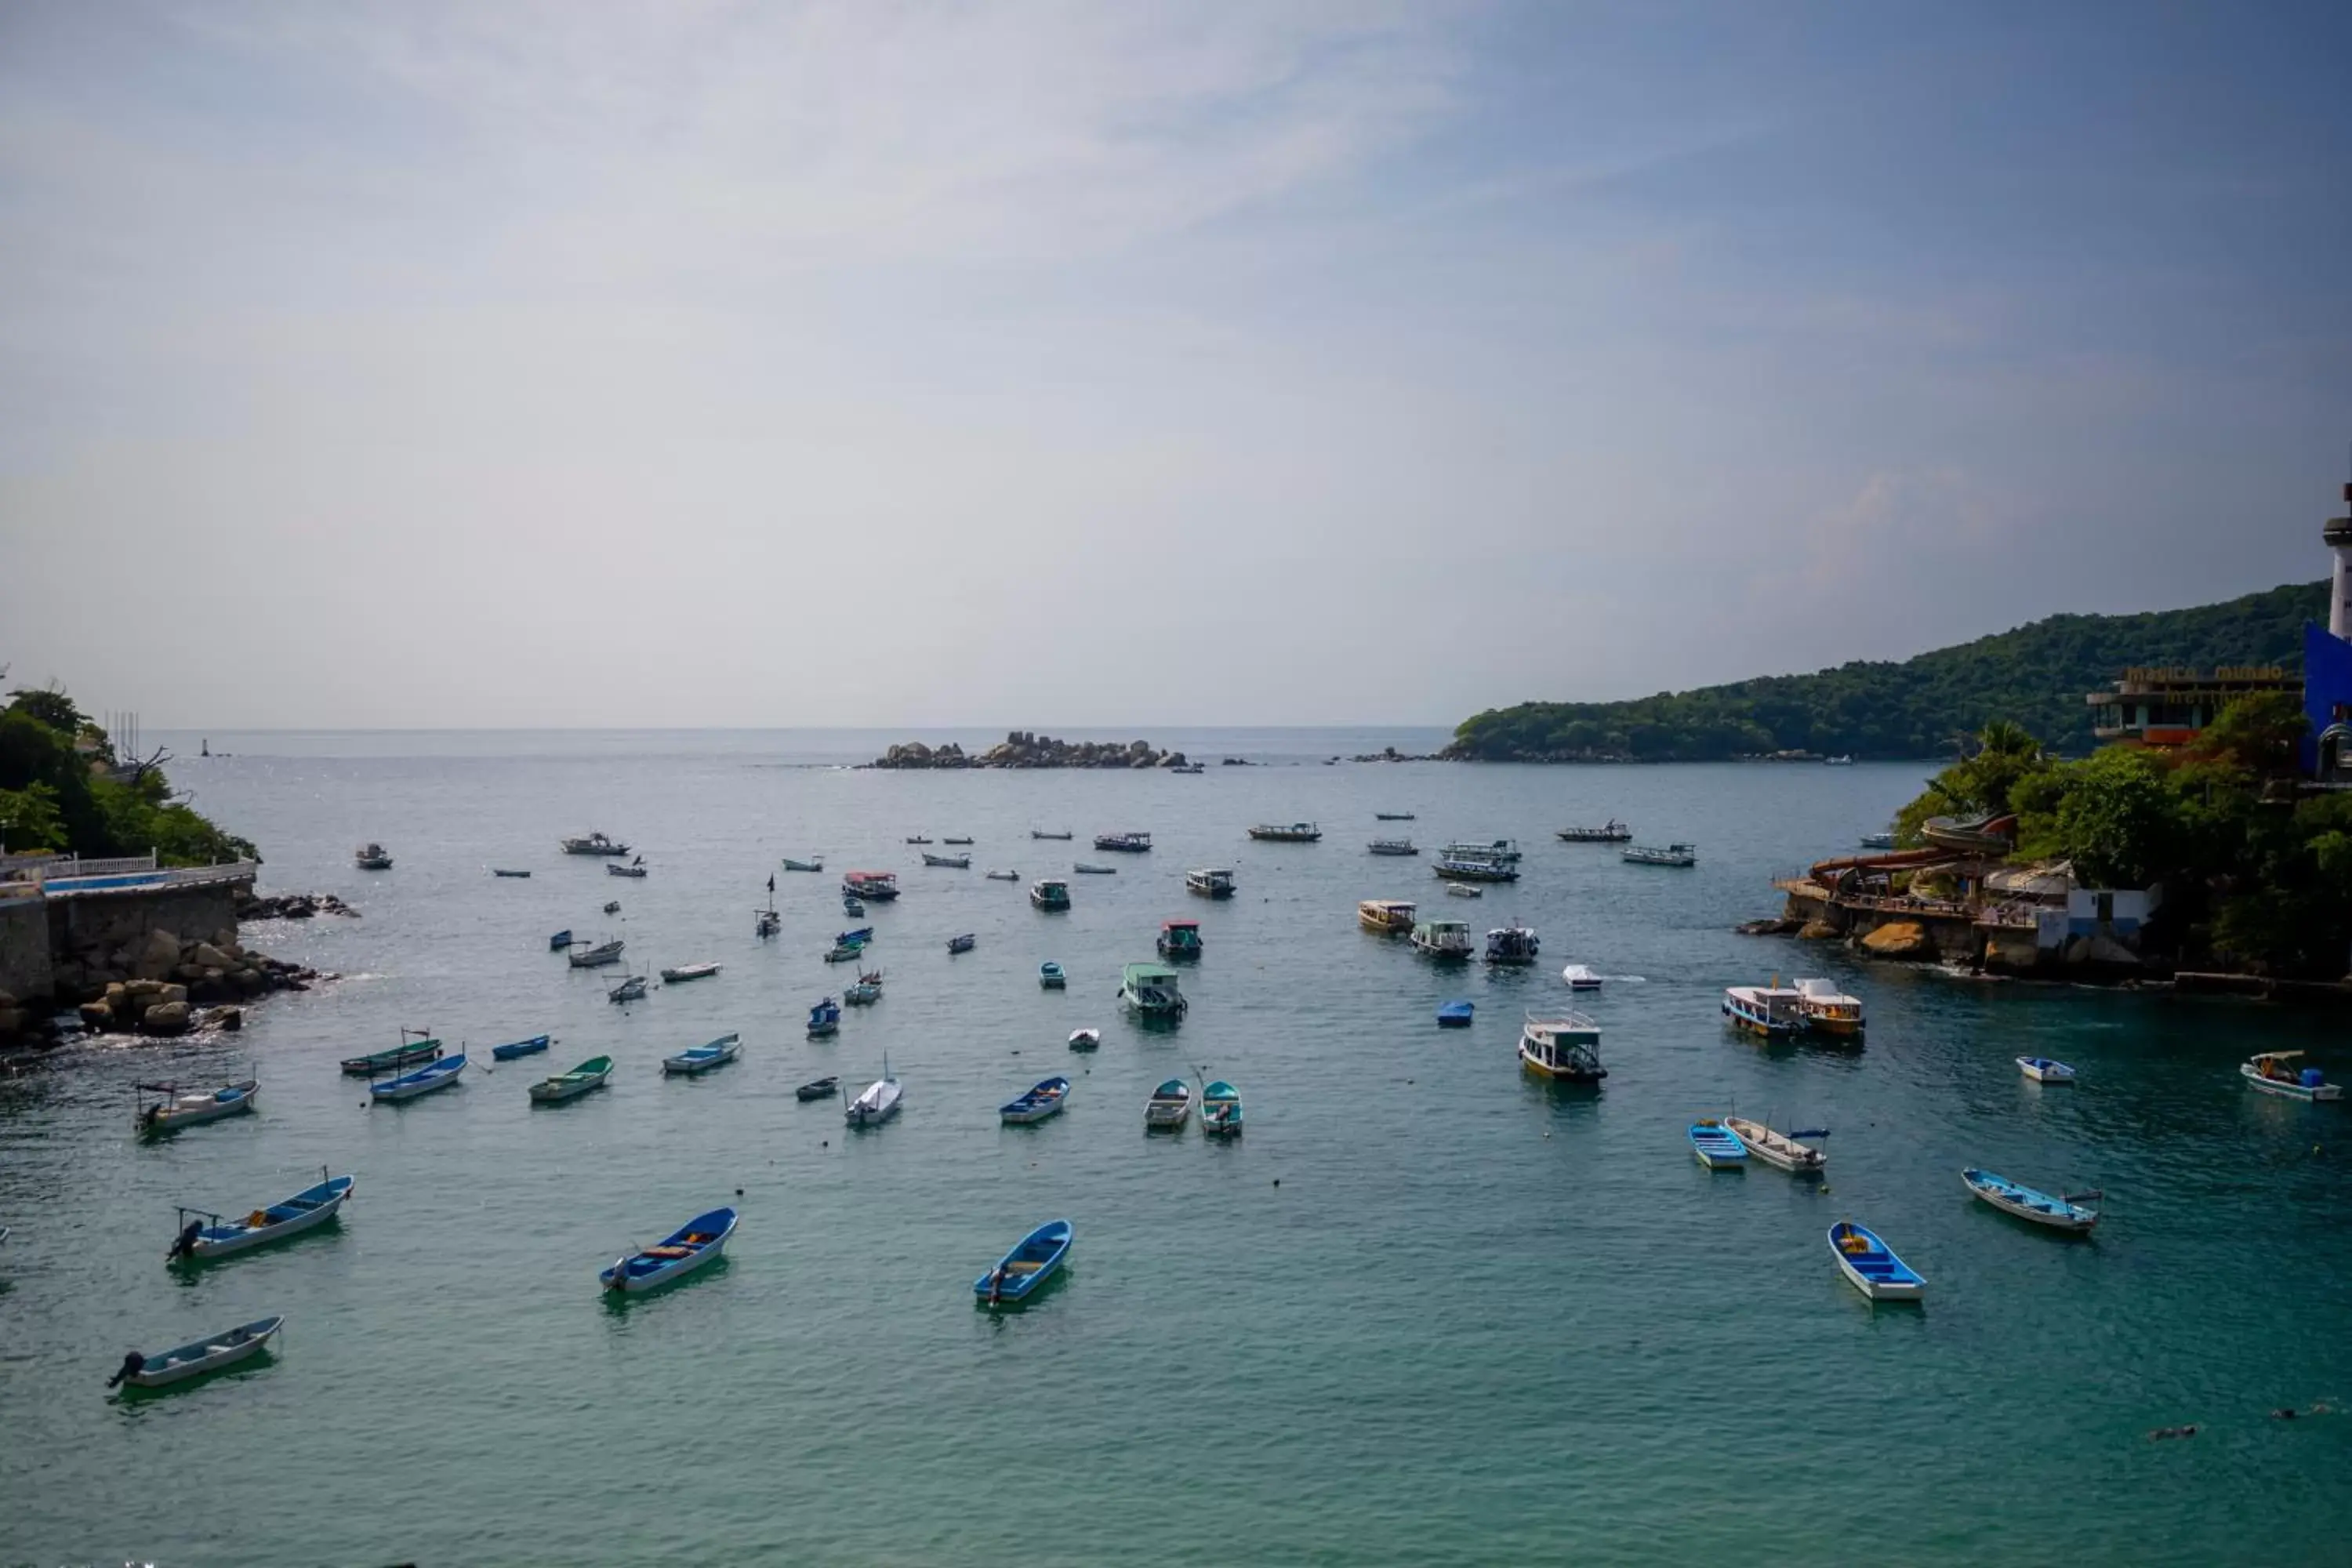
190	1108
2060	1211
559	942
631	988
865	992
851	906
699	1241
529	1048
313	1206
1456	1016
1870	1266
195	1359
1221	1110
823	1019
1050	976
878	1102
1043	1099
702	1058
442	1074
2044	1069
1022	1271
2275	1072
1717	1146
856	938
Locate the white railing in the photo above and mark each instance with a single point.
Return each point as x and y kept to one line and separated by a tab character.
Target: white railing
46	867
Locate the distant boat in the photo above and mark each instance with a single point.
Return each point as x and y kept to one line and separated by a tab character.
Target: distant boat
767	922
1178	939
952	862
1581	978
1221	1110
1870	1266
416	1048
1610	832
1050	976
685	972
529	1048
506	871
1002	876
1021	1272
1392	817
440	1075
878	1103
1088	869
1826	1009
311	1207
596	957
1512	944
2060	1211
1767	1010
917	838
1170	1107
1457	868
2044	1069
793	864
701	1059
1295	833
1445	940
852	907
1780	1149
1124	843
1499	851
615	868
964	943
198	1357
865	991
631	988
372	857
1878	841
1464	891
1085	1039
594	844
1052	894
1152	989
589	1075
1041	833
1391	847
1564	1047
818	1089
699	1240
844	952
1210	881
1675	854
2273	1072
1043	1099
1455	1015
190	1108
823	1019
880	886
559	942
613	907
1716	1147
1387	917
1844	761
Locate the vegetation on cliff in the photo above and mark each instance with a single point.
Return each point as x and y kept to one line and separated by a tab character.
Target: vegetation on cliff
2034	676
63	787
1021	748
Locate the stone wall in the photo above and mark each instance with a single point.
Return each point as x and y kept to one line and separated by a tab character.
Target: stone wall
25	972
90	933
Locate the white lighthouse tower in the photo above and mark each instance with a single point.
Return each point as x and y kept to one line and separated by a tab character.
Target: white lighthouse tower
2338	535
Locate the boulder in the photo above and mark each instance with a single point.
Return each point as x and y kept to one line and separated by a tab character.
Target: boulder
7	1000
158	956
206	956
227	1019
171	993
165	1018
1899	939
11	1021
1817	930
248	982
96	1017
141	989
225	939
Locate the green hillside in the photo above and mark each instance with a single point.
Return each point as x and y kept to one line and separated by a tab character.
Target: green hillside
2036	674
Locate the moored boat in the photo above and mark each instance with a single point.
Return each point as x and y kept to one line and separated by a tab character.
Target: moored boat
964	943
1464	891
633	868
1870	1266
529	1048
1826	1009
2044	1070
1002	875
198	1357
372	857
699	1241
596	957
1878	841
866	991
1610	832
1448	940
1088	869
1023	1271
428	1079
416	1048
1581	978
1767	1010
631	988
818	1089
880	885
1041	1100
699	1060
1457	868
1676	854
2274	1072
1085	1039
191	1108
1210	881
1392	817
1391	847
685	972
1041	833
852	907
1565	1047
878	1102
1512	944
1221	1110
588	1076
559	942
823	1019
1455	1015
1501	851
2056	1212
1780	1149
594	844
1170	1106
311	1207
1124	843
508	871
1294	832
1716	1146
1179	939
1051	977
955	838
1388	917
1152	989
817	864
766	922
1050	893
952	862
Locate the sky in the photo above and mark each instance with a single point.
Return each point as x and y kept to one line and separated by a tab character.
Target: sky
903	364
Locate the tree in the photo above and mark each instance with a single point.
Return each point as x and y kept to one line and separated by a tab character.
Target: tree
2116	819
2261	732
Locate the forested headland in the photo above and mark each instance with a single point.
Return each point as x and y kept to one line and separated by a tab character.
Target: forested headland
64	787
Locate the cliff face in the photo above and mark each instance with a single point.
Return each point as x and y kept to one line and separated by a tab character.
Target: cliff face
1023	749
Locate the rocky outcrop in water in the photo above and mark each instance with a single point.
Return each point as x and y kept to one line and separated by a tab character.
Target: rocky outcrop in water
163	986
292	907
1023	749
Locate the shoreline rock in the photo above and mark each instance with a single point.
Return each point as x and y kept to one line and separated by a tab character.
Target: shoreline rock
292	907
1025	748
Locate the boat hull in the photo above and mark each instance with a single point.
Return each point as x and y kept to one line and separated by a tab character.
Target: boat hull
241	1344
2023	1202
623	1280
2291	1090
1875	1271
1022	1272
529	1048
441	1075
326	1201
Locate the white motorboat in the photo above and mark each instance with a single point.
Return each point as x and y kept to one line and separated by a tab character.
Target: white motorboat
685	972
2059	1211
1780	1149
1210	881
2045	1069
878	1104
2274	1072
1464	891
1004	876
1581	978
1085	1039
195	1359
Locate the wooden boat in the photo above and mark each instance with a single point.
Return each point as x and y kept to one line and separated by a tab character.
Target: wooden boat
1170	1105
1464	891
1716	1147
1152	989
917	838
191	1108
594	844
1870	1266
1124	843
1392	817
596	957
1780	1148
529	1048
1295	833
1581	978
823	1019
1050	976
685	972
964	943
198	1357
1767	1010
1178	939
588	1076
1002	875
507	871
701	1059
844	952
880	886
372	857
1675	854
631	988
878	1103
2273	1072
1826	1009
416	1048
1446	940
1041	833
1454	868
1512	944
1020	1273
1391	847
1085	1039
793	864
1088	869
1210	881
818	1089
2044	1069
559	942
865	991
1388	917
615	868
699	1241
1043	1098
1221	1110
1455	1015
1050	894
1564	1047
1610	832
440	1075
852	908
2059	1213
311	1207
952	862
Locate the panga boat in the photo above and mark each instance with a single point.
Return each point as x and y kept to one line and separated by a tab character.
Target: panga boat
1051	893
1392	817
1124	843
1581	978
195	1359
1002	876
699	1241
634	869
1390	917
964	943
685	972
1870	1266
631	989
1716	1147
1780	1149
793	864
306	1210
1511	944
1392	846
186	1107
1043	1099
1041	833
1210	881
952	862
1020	1272
1050	976
824	1018
1221	1110
2044	1069
852	908
1443	939
2059	1213
440	1075
1152	989
1458	868
2274	1072
818	1089
507	871
596	957
1827	1010
529	1048
1565	1047
1179	939
559	942
844	952
881	886
878	1103
1088	869
1610	832
1658	855
1085	1039
1455	1015
702	1058
1767	1010
1464	891
372	857
589	1075
411	1052
594	843
1170	1106
1295	833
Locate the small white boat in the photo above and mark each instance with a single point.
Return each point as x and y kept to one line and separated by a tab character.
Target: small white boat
1675	854
687	971
1085	1039
1170	1107
1464	891
2044	1070
1870	1266
1581	978
2274	1072
1826	1009
191	1108
1004	876
1210	881
952	862
1780	1149
699	1241
878	1103
195	1359
428	1079
2057	1212
1088	869
702	1058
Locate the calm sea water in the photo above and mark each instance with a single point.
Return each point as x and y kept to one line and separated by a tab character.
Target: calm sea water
1425	1310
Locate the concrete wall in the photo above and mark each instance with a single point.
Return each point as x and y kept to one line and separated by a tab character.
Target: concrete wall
87	928
24	971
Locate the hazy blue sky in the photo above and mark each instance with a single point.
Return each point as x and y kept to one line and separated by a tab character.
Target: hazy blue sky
1038	364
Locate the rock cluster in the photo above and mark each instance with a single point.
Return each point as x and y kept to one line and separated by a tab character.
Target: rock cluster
161	987
1021	748
292	907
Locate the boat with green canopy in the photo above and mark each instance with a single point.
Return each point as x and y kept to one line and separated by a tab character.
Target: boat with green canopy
589	1075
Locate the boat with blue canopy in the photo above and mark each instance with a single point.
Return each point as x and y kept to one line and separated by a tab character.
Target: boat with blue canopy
824	1018
702	1058
1221	1110
1022	1271
1717	1146
1870	1266
1044	1099
2060	1211
440	1075
559	942
313	1206
1051	977
529	1048
699	1241
1456	1016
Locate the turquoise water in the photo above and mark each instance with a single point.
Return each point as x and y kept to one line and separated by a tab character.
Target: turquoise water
1425	1310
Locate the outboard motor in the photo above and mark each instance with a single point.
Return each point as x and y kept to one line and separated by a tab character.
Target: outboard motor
185	1247
131	1364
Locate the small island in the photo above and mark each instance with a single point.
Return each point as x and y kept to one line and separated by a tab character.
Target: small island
1023	749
